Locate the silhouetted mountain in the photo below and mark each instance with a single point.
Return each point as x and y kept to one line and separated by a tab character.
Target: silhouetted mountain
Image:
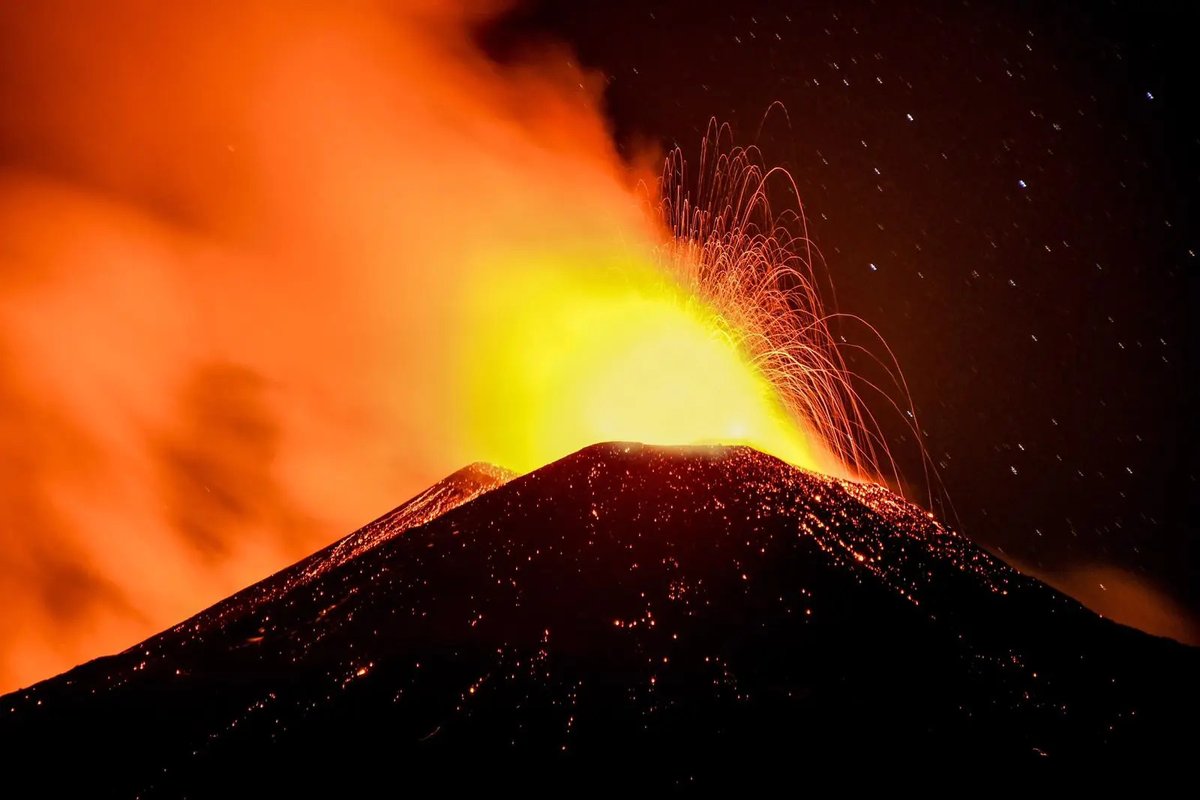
627	617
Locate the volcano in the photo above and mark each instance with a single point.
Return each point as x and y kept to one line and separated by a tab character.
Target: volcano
629	616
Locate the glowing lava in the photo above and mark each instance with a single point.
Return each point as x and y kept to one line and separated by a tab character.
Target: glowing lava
567	357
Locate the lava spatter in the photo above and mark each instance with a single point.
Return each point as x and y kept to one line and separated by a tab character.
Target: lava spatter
697	615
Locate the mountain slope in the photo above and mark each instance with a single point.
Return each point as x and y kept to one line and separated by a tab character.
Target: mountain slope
447	494
709	616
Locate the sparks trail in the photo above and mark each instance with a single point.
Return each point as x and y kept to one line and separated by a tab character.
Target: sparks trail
760	273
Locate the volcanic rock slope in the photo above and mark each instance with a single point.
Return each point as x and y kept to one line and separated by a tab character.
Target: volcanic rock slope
629	616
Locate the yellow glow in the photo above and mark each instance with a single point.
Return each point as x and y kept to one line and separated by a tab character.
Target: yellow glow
563	358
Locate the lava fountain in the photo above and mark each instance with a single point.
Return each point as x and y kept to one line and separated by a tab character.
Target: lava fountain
714	333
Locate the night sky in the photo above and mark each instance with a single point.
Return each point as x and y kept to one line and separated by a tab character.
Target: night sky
1005	191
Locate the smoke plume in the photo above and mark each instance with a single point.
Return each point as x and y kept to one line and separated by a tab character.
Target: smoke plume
234	241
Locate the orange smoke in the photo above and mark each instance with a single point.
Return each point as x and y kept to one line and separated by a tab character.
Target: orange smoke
233	239
1122	596
256	261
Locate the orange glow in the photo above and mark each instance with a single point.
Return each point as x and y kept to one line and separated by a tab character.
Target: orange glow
1124	597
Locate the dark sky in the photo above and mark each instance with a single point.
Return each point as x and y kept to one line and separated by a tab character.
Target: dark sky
1022	177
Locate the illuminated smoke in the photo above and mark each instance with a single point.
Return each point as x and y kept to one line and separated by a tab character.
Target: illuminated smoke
234	245
1122	596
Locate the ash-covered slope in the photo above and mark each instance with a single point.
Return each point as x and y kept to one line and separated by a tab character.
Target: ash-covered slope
628	616
449	493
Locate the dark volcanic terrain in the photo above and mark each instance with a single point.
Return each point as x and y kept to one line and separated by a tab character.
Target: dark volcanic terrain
629	616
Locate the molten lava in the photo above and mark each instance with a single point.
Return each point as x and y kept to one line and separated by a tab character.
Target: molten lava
568	357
